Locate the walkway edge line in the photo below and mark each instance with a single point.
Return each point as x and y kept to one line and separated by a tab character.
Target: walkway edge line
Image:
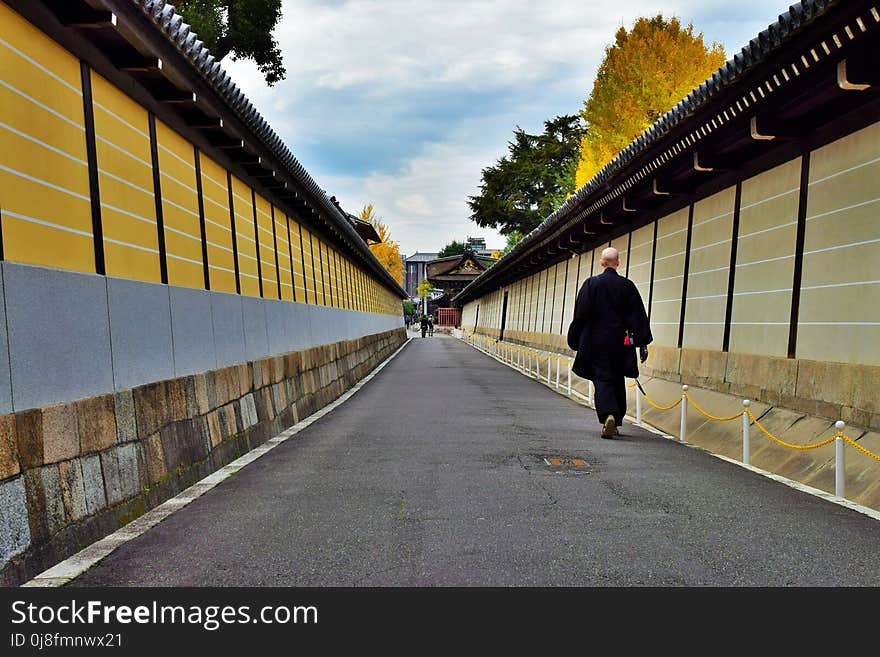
75	565
817	492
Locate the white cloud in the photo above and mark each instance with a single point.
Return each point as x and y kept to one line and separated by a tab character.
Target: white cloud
402	103
425	203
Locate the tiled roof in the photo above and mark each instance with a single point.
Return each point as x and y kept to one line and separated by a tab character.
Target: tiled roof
421	257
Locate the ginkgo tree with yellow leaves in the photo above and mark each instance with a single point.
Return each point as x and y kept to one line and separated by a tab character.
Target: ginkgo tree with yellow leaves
387	251
645	73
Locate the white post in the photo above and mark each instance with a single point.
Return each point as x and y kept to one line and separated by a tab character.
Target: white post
838	460
548	369
569	378
684	410
746	423
558	363
638	405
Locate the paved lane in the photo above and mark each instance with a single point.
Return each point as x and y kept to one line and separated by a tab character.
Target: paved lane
433	475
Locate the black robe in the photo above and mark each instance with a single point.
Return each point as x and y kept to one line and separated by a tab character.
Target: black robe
607	306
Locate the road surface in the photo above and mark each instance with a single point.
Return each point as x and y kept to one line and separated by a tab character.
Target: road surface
436	474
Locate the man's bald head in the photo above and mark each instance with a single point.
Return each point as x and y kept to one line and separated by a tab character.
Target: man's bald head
610	258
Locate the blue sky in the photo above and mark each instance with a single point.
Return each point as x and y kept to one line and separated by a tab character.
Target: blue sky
402	103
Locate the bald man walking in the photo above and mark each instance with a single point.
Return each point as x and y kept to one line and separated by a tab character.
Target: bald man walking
609	324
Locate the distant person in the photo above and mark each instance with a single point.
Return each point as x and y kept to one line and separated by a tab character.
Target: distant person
430	325
609	324
424	324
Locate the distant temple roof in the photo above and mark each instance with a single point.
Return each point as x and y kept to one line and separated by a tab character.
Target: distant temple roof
421	257
457	270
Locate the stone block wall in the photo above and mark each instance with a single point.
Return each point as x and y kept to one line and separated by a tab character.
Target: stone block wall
74	472
835	391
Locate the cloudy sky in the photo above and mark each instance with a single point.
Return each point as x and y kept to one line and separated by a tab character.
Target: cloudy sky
402	103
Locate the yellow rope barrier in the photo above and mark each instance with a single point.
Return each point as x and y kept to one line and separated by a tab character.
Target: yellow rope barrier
782	442
859	447
709	415
662	408
550	357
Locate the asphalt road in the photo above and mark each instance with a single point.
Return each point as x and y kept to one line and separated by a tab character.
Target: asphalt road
434	475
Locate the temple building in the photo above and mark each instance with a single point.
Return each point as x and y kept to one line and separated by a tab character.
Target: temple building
451	275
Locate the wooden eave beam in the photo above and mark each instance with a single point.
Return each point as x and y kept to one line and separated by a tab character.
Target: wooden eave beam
87	18
857	74
138	64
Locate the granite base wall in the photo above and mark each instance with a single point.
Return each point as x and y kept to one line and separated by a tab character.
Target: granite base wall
74	472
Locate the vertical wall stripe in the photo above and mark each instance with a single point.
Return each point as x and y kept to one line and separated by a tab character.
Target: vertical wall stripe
197	159
684	280
799	254
354	298
340	279
340	297
275	242
340	283
321	262
92	156
731	278
546	289
1	234
653	262
290	254
533	301
503	316
536	293
234	231
302	253
331	257
350	295
365	306
314	269
629	242
257	240
564	292
157	192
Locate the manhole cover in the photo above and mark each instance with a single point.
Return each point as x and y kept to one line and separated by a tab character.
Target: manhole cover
565	462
